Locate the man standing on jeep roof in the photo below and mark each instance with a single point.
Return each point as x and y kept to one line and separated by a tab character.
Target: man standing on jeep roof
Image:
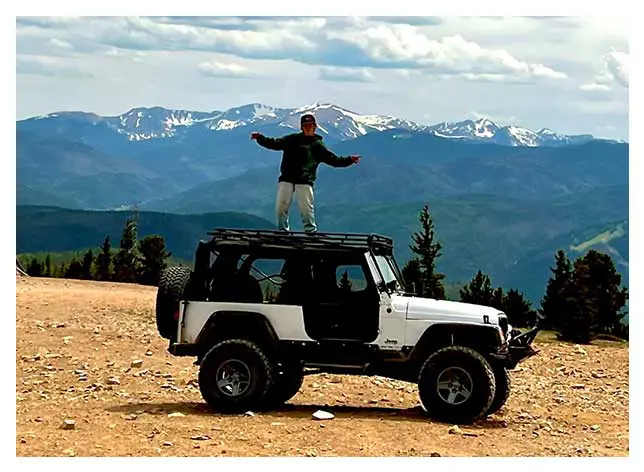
302	153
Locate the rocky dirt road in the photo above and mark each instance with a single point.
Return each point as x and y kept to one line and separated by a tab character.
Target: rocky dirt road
93	378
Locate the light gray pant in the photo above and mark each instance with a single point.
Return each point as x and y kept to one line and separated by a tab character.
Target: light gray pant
304	196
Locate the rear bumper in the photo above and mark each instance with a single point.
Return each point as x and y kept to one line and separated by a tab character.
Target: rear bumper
518	348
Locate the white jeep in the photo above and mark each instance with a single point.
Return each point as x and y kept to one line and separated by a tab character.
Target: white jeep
261	309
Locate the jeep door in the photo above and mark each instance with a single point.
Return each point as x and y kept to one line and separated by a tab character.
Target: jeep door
344	301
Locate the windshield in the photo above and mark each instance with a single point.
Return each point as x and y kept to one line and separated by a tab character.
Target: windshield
389	272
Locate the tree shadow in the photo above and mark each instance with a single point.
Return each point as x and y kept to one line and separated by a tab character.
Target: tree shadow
303	411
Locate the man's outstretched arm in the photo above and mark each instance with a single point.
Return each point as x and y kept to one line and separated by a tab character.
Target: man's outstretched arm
276	144
322	154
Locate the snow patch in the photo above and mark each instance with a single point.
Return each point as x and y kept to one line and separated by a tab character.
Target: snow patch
263	111
483	128
224	124
451	136
173	120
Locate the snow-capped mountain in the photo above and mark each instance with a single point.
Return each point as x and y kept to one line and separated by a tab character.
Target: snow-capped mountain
485	130
335	122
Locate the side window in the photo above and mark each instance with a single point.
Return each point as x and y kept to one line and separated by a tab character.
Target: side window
265	274
350	278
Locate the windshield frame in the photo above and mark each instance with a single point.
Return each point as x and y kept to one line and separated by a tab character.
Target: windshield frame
386	263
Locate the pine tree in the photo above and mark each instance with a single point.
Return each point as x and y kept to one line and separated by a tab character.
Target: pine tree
125	269
479	291
35	268
104	261
597	277
88	262
48	272
553	303
412	277
519	310
345	282
590	302
75	270
577	319
60	270
498	299
426	252
152	259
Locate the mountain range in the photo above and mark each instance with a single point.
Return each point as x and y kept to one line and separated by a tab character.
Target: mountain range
334	122
505	197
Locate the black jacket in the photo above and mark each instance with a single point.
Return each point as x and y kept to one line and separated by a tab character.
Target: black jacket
301	156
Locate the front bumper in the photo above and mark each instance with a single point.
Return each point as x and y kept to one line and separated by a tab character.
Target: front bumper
518	348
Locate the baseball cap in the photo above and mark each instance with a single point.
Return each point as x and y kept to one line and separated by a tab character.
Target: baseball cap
308	118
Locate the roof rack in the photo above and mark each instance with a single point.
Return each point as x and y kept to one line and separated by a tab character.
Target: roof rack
300	240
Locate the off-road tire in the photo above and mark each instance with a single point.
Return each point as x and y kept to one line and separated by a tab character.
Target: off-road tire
503	387
261	376
476	372
172	289
287	383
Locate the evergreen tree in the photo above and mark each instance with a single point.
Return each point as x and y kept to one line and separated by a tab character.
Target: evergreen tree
426	252
125	268
498	299
270	295
88	262
577	319
598	279
104	261
59	270
75	270
48	272
519	310
590	302
35	268
152	259
345	282
479	291
412	277
554	301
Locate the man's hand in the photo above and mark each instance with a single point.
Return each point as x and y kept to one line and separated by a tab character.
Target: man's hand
255	135
355	159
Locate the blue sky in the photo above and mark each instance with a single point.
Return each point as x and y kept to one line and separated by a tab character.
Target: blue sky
570	74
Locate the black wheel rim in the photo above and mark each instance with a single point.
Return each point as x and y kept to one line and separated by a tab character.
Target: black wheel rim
454	385
233	378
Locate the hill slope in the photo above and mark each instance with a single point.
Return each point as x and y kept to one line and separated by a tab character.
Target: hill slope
421	167
49	229
487	232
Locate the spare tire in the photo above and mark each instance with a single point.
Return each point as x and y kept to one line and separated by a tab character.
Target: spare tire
172	289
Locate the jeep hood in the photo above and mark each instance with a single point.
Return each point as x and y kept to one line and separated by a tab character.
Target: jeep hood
443	310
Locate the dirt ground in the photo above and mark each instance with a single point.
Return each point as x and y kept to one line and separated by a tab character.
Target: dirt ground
89	352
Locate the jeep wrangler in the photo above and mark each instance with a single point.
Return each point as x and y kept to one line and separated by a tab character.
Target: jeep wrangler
260	309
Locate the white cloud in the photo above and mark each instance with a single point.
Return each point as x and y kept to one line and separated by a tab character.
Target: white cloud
49	67
614	70
404	46
346	74
595	87
337	42
617	64
57	43
220	69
